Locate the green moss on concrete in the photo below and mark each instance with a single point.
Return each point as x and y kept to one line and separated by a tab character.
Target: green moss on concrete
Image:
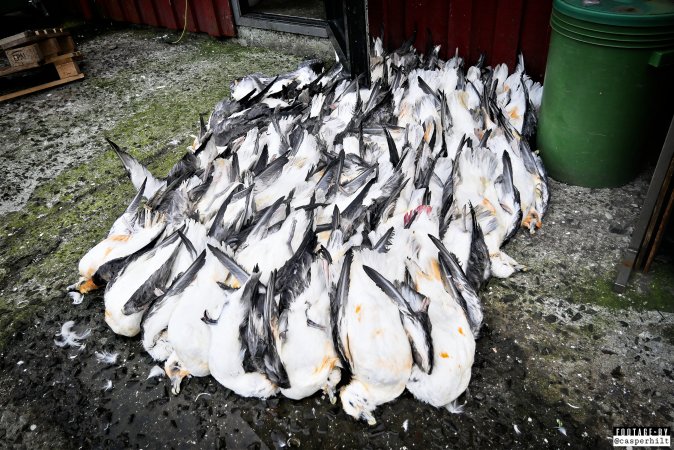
653	291
170	111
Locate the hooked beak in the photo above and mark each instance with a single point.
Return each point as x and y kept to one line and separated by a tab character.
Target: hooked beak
330	390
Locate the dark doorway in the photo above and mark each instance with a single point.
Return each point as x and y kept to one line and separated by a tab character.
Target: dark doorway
311	9
291	16
343	21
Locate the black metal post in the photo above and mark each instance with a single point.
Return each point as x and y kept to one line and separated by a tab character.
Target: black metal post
349	31
358	39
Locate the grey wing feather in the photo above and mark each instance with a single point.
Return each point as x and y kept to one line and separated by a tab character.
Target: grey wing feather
259	230
272	171
293	278
217	230
137	172
478	267
383	206
352	186
450	287
508	186
187	166
528	158
249	329
186	278
145	294
274	368
178	286
232	266
107	272
261	163
329	172
467	297
188	244
338	304
392	150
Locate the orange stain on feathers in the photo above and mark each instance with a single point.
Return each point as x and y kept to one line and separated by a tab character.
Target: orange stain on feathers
327	363
120	237
487	204
88	286
434	274
435	269
427	134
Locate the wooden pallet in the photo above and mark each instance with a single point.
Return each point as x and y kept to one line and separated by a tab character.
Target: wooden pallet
30	37
33	49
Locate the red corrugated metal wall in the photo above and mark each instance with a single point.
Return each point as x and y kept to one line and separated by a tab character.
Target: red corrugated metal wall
208	16
498	28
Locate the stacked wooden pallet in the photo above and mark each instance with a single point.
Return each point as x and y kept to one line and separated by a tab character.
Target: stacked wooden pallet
33	49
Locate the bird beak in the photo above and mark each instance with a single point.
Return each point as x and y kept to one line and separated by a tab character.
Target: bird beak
370	418
331	394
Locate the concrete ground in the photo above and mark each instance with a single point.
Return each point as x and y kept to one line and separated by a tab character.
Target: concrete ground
561	359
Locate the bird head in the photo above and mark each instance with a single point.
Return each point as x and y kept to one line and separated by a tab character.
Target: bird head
87	286
176	372
355	402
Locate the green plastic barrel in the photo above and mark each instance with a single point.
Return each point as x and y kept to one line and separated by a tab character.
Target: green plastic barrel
608	89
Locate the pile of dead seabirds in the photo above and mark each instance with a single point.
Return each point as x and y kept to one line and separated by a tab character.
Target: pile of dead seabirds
319	235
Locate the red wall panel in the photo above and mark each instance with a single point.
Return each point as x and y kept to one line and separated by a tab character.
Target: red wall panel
112	9
459	28
179	14
223	10
498	28
483	24
131	13
208	16
166	15
535	36
147	13
84	8
506	32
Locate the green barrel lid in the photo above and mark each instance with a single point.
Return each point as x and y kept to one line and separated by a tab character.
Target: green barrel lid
629	13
